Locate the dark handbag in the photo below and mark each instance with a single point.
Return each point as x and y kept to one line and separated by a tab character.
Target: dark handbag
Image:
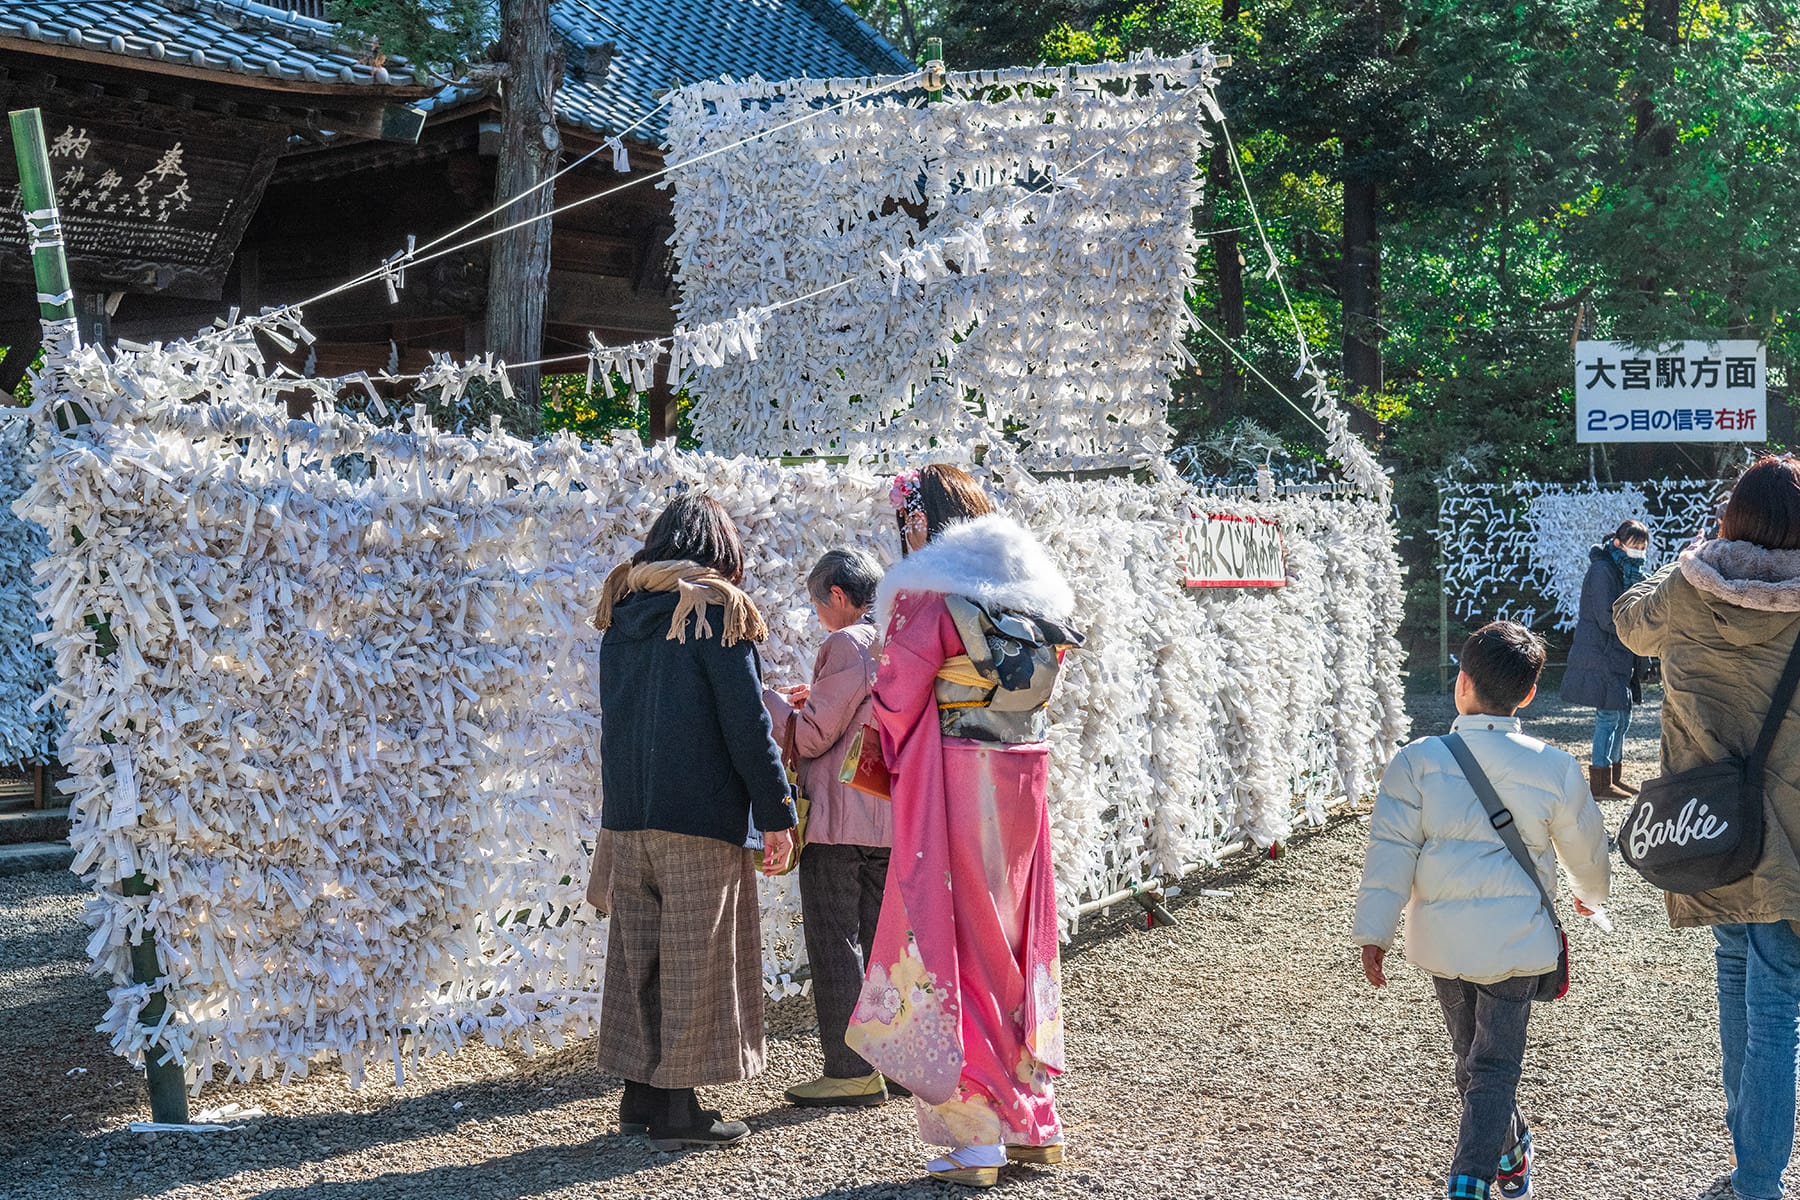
864	769
1552	985
1702	828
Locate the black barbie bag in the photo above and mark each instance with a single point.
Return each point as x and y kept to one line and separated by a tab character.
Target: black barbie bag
1702	828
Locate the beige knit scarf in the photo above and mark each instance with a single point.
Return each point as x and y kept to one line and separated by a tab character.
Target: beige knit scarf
697	587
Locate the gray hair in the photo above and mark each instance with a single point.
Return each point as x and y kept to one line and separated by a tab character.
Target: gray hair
856	571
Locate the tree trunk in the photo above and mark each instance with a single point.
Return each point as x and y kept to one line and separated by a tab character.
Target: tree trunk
531	58
1661	24
1227	253
1361	287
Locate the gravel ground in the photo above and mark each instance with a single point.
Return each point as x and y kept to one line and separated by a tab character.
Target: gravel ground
1237	1055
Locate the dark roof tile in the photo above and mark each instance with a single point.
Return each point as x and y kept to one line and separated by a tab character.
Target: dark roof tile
657	44
237	36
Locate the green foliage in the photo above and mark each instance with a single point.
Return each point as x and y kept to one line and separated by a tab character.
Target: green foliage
1533	162
444	36
592	416
21	395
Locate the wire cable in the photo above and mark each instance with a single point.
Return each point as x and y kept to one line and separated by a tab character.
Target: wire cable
1220	338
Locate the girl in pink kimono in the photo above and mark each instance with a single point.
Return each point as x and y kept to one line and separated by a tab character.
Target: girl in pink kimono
962	1003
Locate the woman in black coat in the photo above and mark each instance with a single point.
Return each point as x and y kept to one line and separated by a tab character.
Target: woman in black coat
1602	673
688	765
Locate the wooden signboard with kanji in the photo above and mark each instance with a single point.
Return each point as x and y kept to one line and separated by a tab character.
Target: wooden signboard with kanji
151	201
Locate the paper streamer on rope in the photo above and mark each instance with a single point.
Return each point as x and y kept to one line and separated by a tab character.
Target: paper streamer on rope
1065	341
1519	551
350	731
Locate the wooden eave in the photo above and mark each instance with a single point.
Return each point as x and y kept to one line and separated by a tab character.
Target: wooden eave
384	93
352	109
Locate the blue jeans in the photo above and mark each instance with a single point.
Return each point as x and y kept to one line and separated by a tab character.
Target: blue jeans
1759	1030
1487	1031
1610	725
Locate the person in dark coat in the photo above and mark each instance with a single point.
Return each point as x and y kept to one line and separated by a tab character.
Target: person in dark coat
688	765
1603	674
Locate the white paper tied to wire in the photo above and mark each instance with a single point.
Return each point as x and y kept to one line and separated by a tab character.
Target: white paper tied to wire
1073	256
28	723
353	719
451	379
1518	551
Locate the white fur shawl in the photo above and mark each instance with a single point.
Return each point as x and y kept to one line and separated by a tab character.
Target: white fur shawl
1745	574
991	560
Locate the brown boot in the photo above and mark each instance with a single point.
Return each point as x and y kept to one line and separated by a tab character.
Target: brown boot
1618	780
1600	783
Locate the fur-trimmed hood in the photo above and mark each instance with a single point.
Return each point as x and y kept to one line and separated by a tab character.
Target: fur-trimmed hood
992	560
1745	575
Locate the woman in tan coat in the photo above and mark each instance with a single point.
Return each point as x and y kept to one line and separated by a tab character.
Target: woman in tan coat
1724	618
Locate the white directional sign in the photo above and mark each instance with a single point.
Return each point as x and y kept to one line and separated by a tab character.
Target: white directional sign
1676	392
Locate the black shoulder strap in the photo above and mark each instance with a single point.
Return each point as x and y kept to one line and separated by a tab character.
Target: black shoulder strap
1500	818
1778	707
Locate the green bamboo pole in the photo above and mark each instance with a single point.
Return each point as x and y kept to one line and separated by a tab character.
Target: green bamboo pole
43	227
934	69
56	308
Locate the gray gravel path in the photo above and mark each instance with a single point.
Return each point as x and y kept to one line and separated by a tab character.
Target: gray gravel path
1238	1056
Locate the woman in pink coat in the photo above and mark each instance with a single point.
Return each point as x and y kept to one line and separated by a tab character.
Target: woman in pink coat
962	1003
843	868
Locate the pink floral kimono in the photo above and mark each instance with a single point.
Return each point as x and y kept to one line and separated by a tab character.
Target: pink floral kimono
962	1001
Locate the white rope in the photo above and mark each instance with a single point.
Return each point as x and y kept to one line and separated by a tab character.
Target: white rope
1262	233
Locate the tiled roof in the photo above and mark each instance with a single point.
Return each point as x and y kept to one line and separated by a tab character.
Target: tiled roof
656	44
659	43
236	37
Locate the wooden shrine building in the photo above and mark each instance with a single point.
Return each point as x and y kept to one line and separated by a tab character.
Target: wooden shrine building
219	153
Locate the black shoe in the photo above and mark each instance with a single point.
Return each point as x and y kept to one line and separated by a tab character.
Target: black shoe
896	1091
686	1125
639	1106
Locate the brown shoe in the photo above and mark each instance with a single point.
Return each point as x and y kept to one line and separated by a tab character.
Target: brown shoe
1618	780
1600	783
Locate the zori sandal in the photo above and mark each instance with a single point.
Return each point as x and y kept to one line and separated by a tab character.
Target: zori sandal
970	1166
1042	1156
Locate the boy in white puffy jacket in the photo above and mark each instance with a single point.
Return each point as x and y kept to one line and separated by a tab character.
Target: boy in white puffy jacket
1475	921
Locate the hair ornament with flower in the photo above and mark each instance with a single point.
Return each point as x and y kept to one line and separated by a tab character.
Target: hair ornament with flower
903	495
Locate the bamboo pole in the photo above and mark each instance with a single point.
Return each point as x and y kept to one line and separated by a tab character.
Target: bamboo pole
934	69
56	308
43	227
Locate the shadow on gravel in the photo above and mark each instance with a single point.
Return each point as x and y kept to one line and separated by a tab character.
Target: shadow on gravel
285	1142
62	1067
1076	1183
526	1173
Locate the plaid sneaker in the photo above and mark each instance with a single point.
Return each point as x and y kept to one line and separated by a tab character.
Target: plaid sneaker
1467	1187
1514	1180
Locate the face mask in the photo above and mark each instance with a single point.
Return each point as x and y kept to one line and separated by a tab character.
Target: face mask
1637	555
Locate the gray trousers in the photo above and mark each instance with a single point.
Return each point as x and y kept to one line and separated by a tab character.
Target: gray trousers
840	900
1487	1029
